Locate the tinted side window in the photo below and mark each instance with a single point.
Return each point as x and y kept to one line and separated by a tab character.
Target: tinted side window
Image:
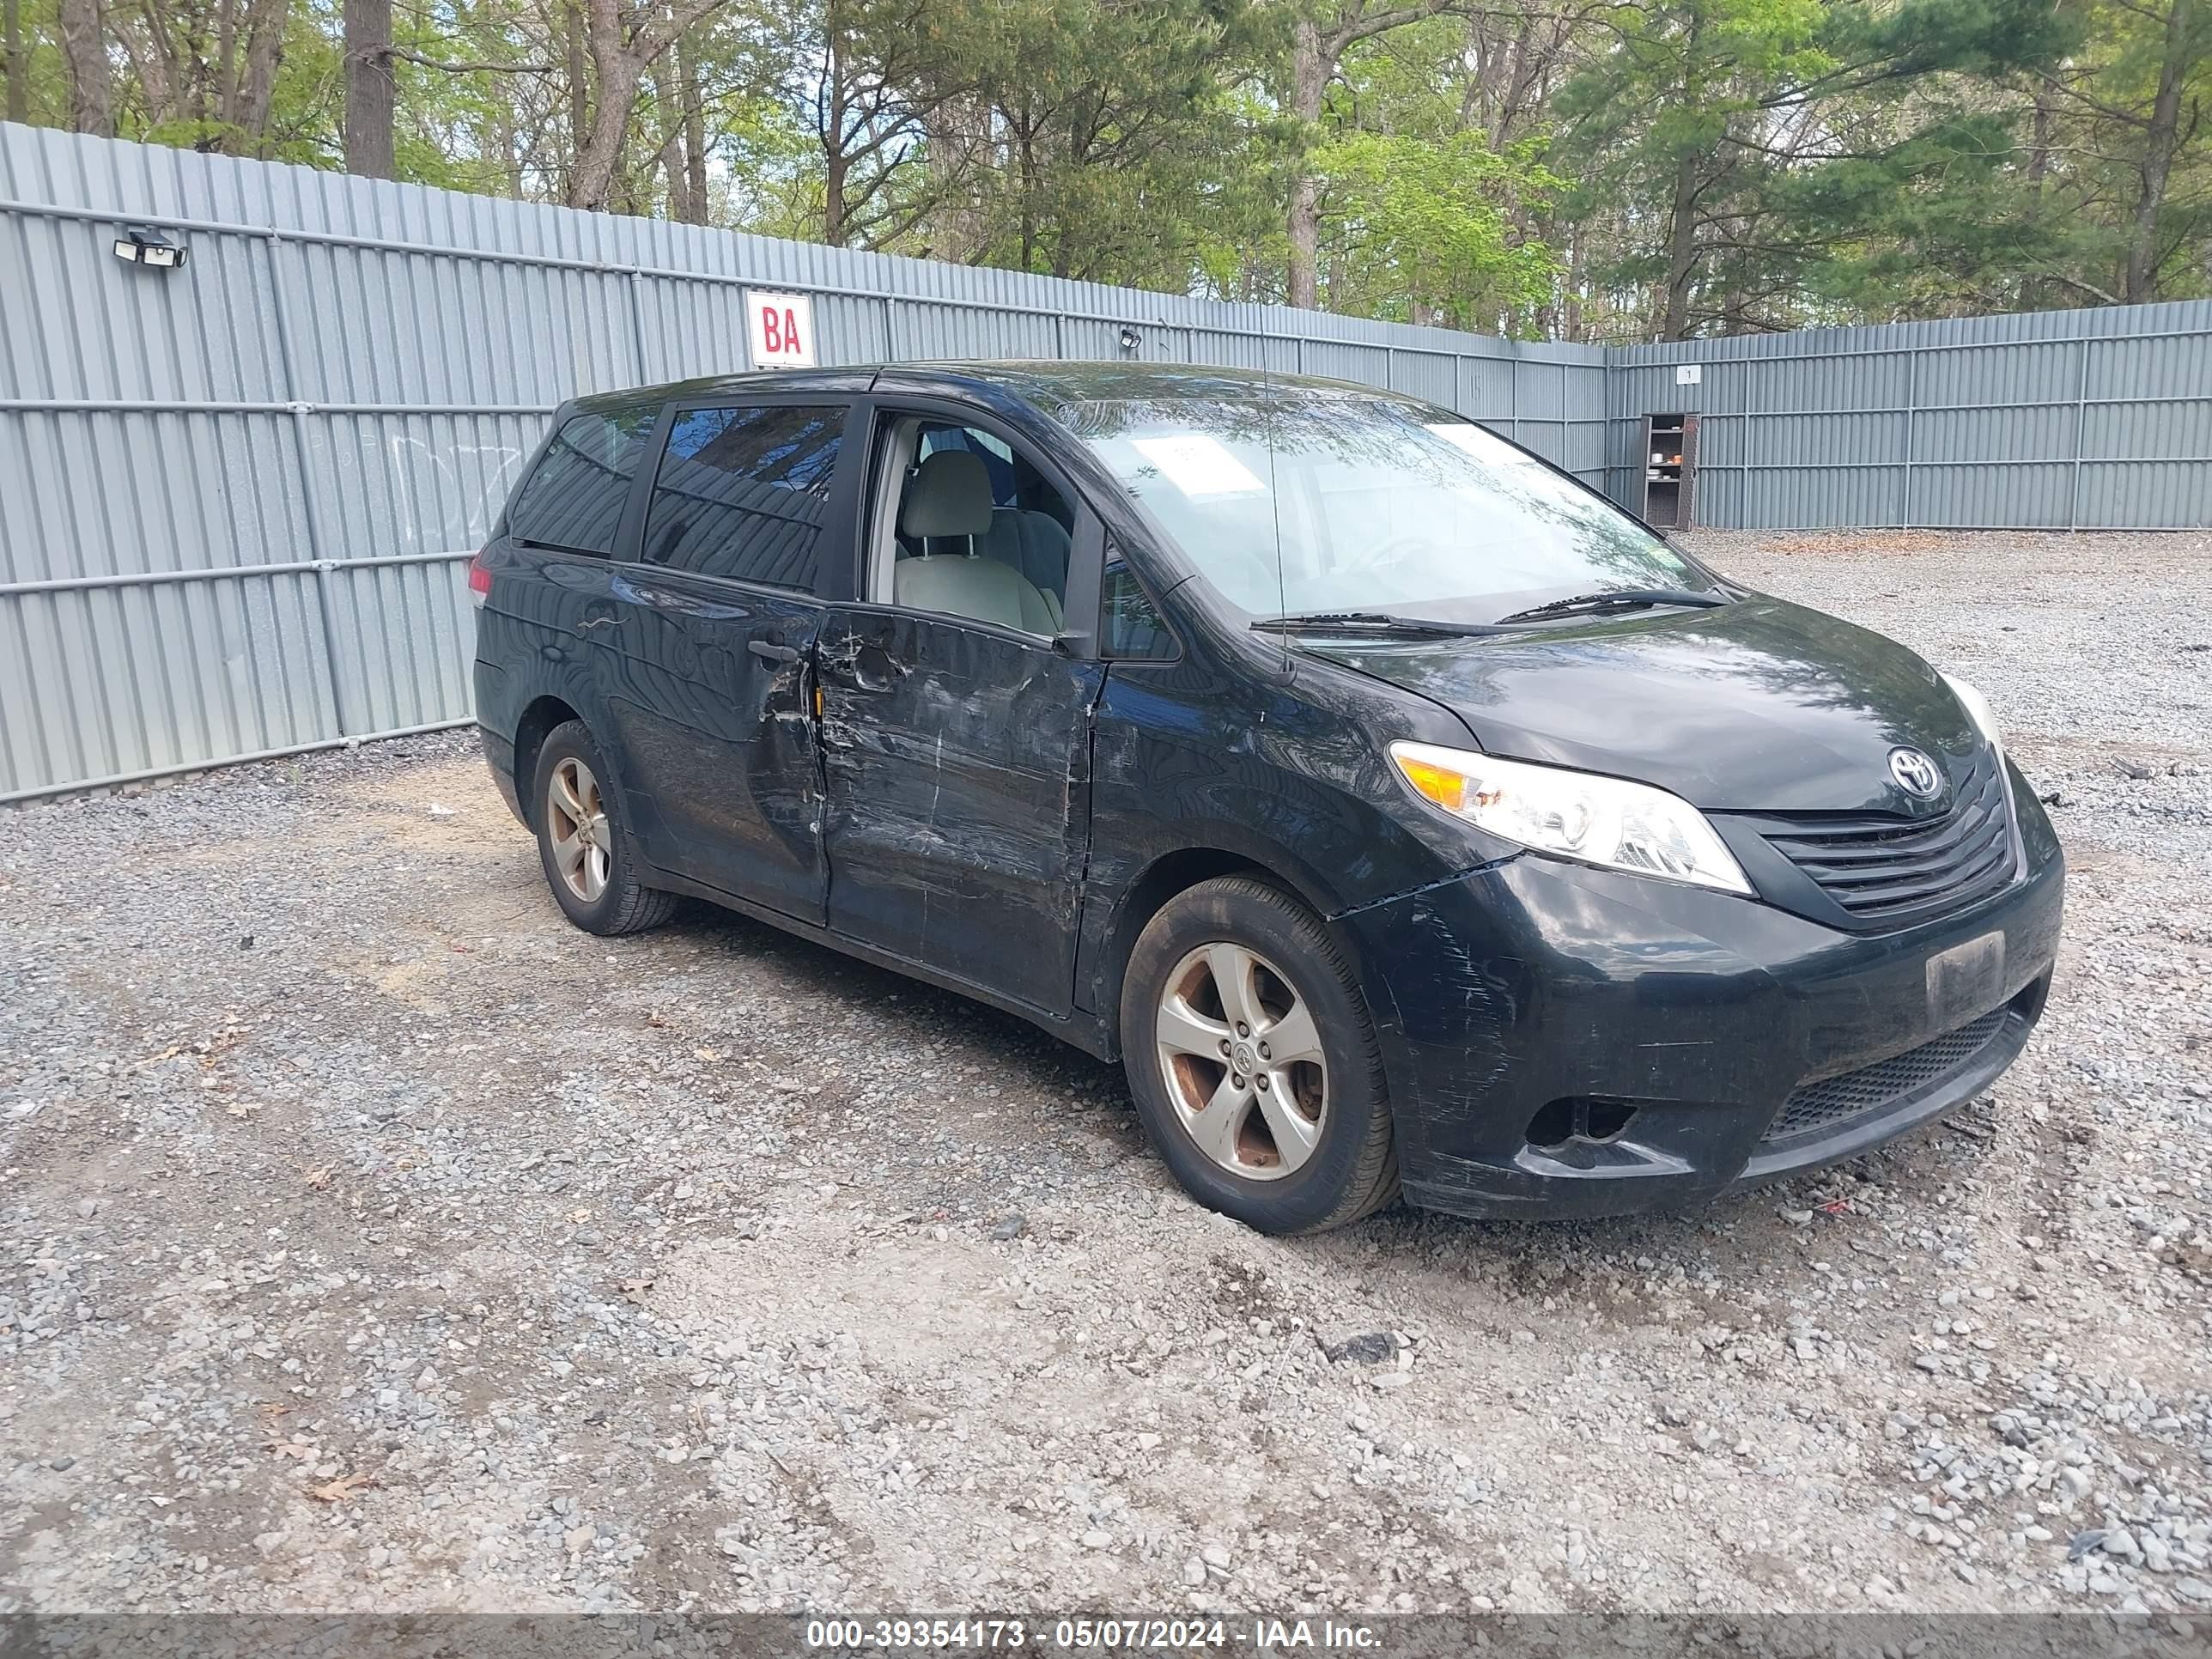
1132	627
742	492
575	497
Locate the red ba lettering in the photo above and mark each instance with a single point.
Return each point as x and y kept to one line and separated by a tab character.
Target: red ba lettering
791	333
771	333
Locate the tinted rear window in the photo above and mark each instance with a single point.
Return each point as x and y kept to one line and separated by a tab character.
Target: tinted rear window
575	497
743	490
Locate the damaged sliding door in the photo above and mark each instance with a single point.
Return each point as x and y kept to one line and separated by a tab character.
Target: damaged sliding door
955	759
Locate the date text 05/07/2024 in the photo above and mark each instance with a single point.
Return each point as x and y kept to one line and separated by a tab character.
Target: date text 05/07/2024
1260	1635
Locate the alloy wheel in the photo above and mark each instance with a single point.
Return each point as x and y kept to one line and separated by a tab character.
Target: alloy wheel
1242	1059
576	821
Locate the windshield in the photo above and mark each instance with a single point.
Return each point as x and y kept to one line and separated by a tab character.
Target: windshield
1295	500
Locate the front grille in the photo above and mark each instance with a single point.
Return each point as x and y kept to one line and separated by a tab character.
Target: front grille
1822	1105
1881	868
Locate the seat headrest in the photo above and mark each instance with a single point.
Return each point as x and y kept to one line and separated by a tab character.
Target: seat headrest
950	495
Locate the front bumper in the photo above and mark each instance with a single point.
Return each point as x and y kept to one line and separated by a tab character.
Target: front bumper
1671	1025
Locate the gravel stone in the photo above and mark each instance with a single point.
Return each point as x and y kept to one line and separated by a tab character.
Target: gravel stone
1370	1348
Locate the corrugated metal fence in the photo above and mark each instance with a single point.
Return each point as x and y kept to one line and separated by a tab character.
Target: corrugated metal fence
234	498
2055	420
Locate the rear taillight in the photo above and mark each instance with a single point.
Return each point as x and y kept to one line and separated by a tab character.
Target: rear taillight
479	580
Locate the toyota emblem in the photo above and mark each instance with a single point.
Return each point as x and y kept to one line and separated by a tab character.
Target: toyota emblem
1915	773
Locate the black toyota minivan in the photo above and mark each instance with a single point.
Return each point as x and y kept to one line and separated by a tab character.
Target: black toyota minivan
1399	812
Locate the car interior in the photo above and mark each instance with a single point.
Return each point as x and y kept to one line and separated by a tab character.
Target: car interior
978	531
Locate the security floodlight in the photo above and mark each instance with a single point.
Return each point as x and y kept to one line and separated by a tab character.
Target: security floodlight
139	246
1130	338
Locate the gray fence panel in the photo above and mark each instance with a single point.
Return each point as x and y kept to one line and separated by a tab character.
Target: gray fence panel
2096	419
239	497
2158	495
235	500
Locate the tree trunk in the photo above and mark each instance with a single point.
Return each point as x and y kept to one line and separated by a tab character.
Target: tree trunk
618	65
1570	321
2032	289
2039	151
2161	142
955	132
371	94
509	148
580	83
616	73
226	60
836	165
19	67
264	52
1028	197
616	76
695	134
1682	249
150	68
84	49
1309	80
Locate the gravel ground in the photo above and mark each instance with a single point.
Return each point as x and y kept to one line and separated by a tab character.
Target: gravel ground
375	1241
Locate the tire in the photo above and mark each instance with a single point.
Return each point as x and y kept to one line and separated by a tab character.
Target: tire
601	893
1312	1149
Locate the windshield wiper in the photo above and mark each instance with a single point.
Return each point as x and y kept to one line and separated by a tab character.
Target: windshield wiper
1371	622
1617	598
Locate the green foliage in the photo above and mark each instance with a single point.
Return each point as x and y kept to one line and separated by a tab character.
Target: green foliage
1114	131
44	85
1429	230
1616	172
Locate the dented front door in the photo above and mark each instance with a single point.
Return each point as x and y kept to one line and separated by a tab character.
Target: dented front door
955	760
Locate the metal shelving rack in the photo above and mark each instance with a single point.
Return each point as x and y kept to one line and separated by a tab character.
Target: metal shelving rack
1669	470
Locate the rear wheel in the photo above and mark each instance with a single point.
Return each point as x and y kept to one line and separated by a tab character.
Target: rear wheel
1252	1060
583	842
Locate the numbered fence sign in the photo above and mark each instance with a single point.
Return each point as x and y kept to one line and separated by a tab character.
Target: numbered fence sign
782	329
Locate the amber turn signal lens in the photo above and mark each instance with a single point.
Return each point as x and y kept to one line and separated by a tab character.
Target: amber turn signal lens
1440	784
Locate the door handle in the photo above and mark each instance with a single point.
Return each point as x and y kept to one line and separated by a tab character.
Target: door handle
773	653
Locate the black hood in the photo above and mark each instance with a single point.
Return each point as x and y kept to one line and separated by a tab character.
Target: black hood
1759	706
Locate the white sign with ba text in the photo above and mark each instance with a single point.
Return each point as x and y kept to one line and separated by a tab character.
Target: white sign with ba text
781	329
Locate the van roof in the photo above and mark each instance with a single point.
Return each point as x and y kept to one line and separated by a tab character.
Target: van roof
1045	382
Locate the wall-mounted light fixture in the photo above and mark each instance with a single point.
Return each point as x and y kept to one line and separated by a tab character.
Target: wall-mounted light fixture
140	244
1131	339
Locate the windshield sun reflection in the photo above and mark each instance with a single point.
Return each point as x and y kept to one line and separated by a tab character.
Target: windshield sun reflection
1299	500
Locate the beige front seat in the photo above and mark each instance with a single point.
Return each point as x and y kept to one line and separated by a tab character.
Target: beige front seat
950	496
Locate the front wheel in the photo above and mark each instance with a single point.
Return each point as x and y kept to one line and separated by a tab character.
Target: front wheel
1252	1060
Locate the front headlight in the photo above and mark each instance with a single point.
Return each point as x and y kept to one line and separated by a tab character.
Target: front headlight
1573	815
